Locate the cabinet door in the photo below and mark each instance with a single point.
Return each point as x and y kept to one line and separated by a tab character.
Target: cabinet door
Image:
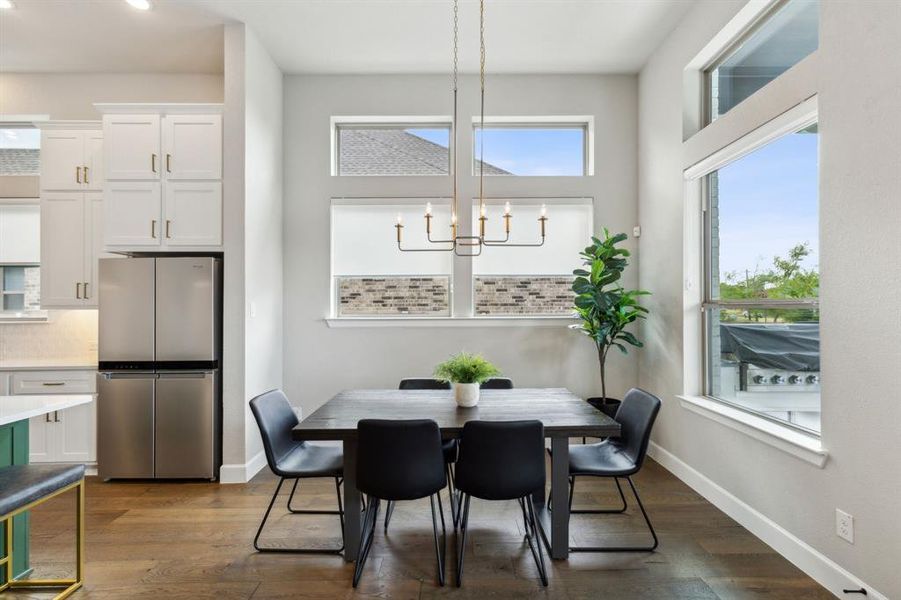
93	160
193	213
131	211
76	434
62	159
192	145
131	147
93	206
62	249
41	439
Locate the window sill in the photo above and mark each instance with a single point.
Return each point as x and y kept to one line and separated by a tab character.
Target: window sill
337	322
806	447
21	318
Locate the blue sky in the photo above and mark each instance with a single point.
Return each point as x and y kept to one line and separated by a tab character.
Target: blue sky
768	203
538	151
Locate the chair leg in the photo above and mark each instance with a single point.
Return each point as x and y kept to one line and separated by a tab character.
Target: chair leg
339	512
461	549
441	552
452	494
389	510
647	520
597	511
368	533
7	560
535	542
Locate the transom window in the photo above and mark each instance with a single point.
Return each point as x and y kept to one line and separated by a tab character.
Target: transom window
533	147
391	148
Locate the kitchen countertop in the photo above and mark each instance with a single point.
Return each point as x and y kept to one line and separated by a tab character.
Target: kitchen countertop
18	408
48	364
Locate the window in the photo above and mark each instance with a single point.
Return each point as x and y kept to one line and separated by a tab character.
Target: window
530	281
533	148
20	288
371	277
20	152
762	281
780	41
391	148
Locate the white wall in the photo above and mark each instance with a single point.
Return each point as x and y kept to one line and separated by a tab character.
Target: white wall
859	92
262	229
320	361
252	214
67	96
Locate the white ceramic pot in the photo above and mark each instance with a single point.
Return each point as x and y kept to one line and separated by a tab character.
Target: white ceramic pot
466	394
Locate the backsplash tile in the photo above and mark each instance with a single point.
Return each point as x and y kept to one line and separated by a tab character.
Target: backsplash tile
68	335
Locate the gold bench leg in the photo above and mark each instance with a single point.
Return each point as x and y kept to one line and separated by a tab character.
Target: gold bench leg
70	585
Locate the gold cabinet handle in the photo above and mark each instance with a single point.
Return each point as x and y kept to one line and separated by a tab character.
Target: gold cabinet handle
53	383
168	163
168	226
77	174
56	416
153	229
78	291
86	175
153	162
86	297
47	418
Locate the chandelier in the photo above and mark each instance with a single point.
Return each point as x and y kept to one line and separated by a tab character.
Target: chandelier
470	245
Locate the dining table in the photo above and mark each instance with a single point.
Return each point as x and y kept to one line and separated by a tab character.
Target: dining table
563	414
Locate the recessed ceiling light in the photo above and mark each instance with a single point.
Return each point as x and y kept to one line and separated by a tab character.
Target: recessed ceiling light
7	4
139	4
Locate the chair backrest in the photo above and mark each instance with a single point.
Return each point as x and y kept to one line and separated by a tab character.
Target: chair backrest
500	460
423	383
498	383
276	418
399	459
636	416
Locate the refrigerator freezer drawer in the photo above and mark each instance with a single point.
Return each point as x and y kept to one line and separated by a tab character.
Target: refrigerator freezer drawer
125	425
185	425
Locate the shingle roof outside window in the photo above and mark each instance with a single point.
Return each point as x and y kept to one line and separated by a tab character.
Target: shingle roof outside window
394	152
20	161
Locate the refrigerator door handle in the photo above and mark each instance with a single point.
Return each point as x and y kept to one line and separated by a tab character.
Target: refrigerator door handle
109	376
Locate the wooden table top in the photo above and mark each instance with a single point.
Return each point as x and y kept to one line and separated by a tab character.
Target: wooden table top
561	412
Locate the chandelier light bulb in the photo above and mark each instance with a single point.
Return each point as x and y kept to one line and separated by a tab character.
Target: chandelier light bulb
544	210
428	208
506	208
400	219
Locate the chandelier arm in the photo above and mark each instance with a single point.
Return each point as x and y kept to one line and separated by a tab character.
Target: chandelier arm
402	249
532	245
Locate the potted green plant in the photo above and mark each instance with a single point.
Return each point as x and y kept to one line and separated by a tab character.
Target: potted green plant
466	372
605	309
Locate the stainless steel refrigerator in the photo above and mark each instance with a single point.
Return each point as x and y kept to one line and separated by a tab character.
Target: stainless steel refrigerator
158	405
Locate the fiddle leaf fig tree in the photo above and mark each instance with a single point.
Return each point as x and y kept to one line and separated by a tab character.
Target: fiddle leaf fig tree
605	309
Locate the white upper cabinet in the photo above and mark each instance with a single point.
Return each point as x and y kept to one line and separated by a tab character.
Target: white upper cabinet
62	249
192	146
132	147
93	160
163	172
132	214
193	213
66	158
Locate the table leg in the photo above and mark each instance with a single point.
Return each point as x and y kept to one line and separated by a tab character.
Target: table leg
352	525
560	497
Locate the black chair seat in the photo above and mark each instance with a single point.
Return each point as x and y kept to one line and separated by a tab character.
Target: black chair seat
23	484
310	460
605	459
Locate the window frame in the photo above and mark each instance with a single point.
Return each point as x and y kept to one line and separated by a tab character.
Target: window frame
583	122
789	122
387	122
759	21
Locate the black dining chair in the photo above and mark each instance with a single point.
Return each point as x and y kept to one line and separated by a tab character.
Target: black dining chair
502	461
498	383
448	447
618	458
399	460
293	460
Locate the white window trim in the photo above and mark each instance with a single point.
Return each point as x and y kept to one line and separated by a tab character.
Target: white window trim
585	122
475	321
335	122
808	448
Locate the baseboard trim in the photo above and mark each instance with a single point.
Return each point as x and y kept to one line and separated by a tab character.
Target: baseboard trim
818	566
242	472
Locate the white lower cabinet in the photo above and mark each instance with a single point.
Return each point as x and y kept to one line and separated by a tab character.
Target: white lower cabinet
64	436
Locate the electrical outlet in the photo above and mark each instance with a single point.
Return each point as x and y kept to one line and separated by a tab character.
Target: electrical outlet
844	526
636	231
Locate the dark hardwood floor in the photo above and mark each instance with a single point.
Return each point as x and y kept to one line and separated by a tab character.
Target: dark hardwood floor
193	541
